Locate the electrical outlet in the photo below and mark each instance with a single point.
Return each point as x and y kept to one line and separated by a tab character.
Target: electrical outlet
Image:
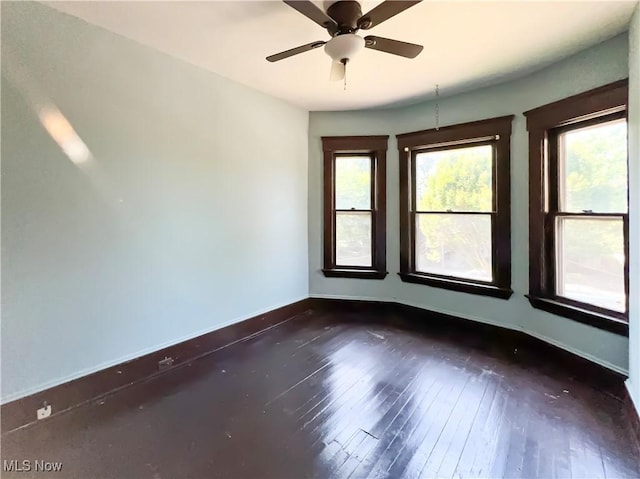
44	411
166	363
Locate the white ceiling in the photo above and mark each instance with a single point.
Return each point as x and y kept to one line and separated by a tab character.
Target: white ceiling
467	44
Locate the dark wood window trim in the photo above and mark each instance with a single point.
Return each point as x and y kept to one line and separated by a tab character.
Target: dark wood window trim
496	131
543	124
376	148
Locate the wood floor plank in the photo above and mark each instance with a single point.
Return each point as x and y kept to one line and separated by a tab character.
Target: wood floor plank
448	447
426	437
383	404
395	428
481	435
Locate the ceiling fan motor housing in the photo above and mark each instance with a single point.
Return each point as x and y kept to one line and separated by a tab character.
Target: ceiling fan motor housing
346	14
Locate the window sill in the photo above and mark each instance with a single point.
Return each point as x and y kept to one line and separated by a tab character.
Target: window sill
458	285
597	320
355	273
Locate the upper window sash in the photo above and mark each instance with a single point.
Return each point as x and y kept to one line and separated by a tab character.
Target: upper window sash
491	141
556	183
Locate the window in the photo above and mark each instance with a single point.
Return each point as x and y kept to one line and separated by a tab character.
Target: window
454	204
578	217
355	206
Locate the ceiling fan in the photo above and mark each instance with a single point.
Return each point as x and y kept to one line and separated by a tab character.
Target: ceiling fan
343	20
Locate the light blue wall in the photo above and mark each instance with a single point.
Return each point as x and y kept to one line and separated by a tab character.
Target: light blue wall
634	210
597	66
191	215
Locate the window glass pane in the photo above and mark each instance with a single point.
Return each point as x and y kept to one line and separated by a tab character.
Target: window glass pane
353	182
590	255
454	245
353	239
593	168
458	179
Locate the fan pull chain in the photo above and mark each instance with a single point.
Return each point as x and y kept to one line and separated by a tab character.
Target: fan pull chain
437	107
345	76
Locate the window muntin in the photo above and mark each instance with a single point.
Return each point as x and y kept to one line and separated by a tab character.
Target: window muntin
453	206
354	207
587	211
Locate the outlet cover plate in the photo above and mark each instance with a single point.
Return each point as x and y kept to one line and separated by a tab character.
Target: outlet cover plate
164	364
44	411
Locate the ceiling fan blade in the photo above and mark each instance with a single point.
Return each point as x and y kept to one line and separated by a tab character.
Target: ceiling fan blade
395	47
384	12
337	71
294	51
309	10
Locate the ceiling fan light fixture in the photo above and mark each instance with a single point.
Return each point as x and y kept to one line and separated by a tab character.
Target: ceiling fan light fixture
343	19
344	46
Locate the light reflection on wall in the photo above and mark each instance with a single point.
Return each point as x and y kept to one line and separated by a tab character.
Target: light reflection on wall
58	126
64	135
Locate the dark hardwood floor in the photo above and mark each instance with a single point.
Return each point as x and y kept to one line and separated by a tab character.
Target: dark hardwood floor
337	394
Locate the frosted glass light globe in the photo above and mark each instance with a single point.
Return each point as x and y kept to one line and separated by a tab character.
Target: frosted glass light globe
344	46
